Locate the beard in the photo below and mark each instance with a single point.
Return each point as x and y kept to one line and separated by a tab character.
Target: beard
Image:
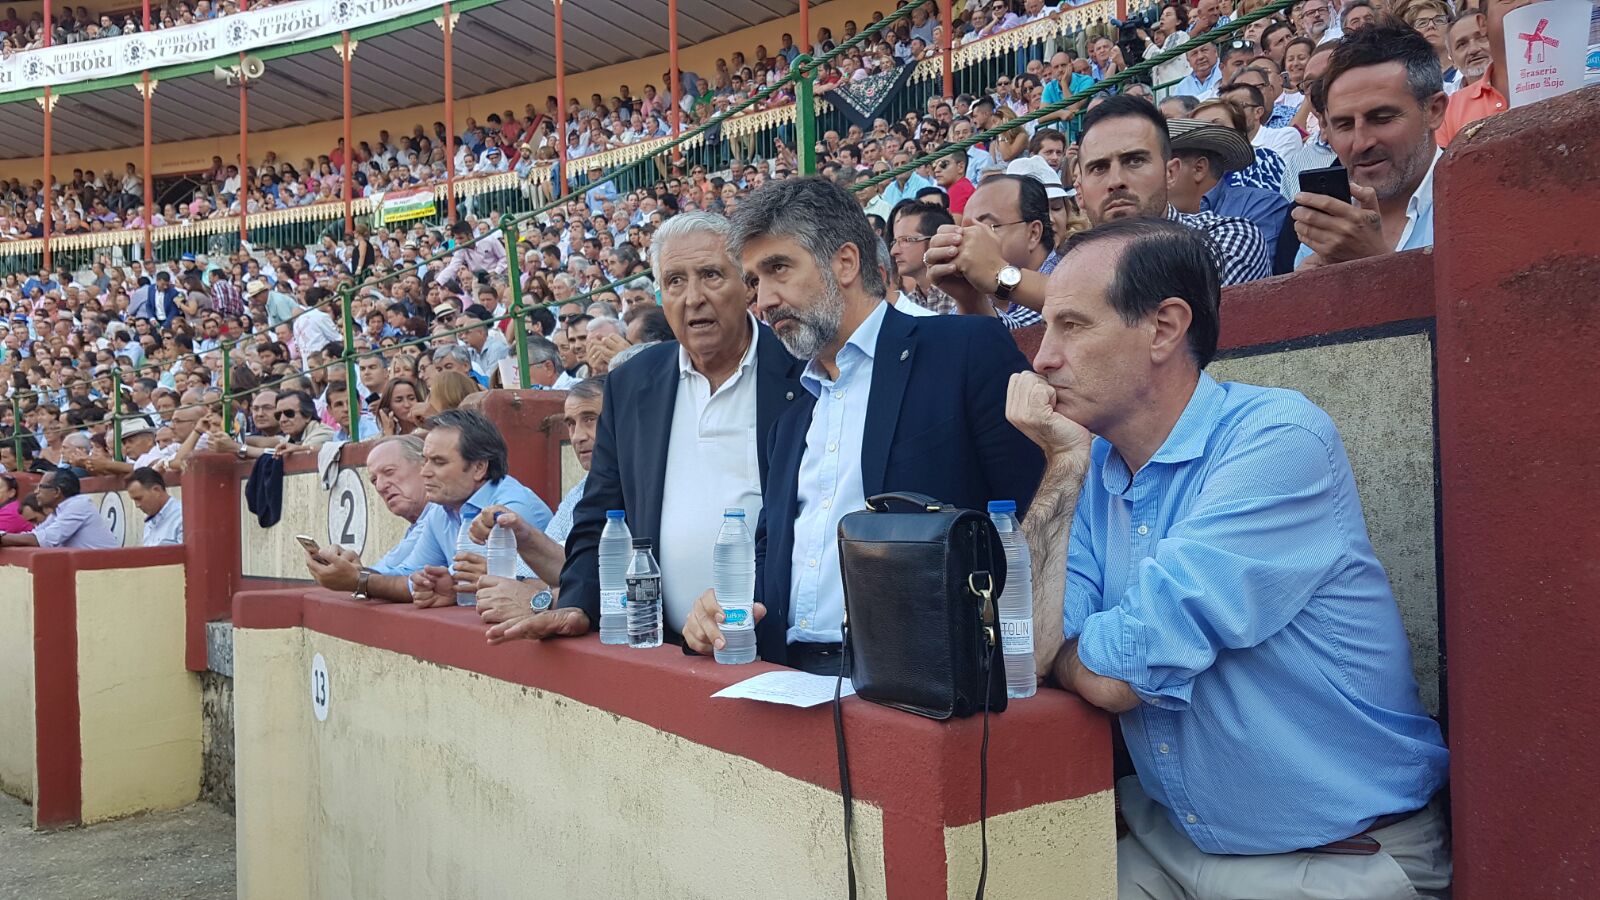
1404	174
816	326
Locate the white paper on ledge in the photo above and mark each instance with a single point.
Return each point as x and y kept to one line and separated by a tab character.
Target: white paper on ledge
789	687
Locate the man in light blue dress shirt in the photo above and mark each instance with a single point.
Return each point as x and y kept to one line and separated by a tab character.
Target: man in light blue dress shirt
463	473
1218	592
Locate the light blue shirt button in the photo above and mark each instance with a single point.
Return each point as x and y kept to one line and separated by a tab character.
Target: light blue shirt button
1192	819
1165	748
1144	529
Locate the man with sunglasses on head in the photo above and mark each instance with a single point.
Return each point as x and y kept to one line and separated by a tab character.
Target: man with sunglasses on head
950	173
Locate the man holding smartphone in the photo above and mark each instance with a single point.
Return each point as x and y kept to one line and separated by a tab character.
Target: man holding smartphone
1382	99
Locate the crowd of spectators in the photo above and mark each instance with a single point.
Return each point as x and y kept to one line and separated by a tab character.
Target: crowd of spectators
1121	220
977	231
72	26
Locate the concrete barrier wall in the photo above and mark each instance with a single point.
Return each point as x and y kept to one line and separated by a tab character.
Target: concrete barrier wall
16	681
614	774
99	717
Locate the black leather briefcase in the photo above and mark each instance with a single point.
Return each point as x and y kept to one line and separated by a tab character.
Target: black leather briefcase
921	588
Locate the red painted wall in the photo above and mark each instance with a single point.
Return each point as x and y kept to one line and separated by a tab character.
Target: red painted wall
1518	379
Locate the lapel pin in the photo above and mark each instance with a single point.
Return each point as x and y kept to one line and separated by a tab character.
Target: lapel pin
789	396
905	355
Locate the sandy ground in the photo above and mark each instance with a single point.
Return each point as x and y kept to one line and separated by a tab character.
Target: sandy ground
183	855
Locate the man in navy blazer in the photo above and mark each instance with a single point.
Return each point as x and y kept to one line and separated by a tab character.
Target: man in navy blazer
890	403
682	432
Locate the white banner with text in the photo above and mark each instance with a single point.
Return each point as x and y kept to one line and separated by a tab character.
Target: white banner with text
217	39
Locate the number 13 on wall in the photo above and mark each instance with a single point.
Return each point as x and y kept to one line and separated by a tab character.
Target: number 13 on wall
319	688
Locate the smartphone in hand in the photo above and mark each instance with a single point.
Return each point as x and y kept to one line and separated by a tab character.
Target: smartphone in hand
312	548
1333	181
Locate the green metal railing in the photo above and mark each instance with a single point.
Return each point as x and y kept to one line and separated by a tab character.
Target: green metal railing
514	208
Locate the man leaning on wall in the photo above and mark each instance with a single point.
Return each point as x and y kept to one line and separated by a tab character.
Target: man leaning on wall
1202	570
464	471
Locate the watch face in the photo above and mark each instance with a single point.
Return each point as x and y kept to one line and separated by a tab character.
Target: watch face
542	600
1010	276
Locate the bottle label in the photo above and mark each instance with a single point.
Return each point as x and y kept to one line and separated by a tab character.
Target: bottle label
1016	636
736	617
612	602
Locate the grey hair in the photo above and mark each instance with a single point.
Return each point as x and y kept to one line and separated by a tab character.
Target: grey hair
478	439
683	225
639	284
628	353
820	215
601	322
600	309
565	279
77	440
455	351
410	446
891	272
542	350
592	388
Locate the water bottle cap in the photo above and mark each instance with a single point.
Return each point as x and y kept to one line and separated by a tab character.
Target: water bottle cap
497	517
1002	506
615	513
641	543
733	512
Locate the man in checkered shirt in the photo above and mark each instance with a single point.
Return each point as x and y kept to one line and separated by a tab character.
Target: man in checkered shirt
1124	161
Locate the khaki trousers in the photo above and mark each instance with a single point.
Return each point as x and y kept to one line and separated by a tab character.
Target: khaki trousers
1155	861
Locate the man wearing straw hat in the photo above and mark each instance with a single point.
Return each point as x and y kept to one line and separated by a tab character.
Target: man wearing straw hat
1205	154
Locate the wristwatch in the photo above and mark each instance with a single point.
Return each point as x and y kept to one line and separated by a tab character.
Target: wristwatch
362	577
1006	281
542	600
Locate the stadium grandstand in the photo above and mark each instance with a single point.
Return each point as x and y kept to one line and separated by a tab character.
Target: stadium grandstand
306	305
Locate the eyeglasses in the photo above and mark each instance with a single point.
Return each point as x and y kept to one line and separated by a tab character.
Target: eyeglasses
1435	21
288	414
569	318
912	240
996	226
1241	45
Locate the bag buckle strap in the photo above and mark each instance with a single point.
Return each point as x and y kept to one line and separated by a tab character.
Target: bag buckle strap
981	584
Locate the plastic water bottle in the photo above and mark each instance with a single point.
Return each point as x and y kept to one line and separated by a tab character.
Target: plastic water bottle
464	544
616	549
1016	603
733	577
502	550
644	597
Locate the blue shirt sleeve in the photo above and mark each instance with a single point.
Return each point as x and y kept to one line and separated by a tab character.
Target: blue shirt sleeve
1267	530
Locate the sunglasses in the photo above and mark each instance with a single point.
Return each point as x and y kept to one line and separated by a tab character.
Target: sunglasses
569	318
288	414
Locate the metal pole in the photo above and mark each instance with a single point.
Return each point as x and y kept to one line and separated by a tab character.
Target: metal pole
148	88
16	430
48	199
349	148
508	232
677	74
447	22
352	399
149	176
116	413
947	19
805	27
244	151
561	101
227	387
805	116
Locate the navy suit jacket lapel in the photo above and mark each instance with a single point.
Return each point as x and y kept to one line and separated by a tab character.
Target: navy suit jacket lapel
891	369
777	387
657	400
